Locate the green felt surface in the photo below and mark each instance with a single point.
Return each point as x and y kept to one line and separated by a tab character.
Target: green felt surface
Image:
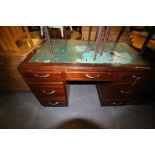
77	51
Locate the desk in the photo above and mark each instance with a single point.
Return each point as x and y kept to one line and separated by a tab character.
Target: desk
121	76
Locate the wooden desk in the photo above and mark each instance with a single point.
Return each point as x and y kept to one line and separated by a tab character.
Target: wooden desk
121	76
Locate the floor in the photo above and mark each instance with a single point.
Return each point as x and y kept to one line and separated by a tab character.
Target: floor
22	110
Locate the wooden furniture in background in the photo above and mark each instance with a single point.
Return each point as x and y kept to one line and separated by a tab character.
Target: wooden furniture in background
137	39
11	35
115	30
85	33
10	78
11	56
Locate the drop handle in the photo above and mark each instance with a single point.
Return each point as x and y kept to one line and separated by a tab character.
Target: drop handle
56	103
125	92
41	76
138	67
48	93
117	103
137	78
91	77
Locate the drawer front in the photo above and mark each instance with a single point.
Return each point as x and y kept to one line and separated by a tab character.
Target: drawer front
135	78
54	103
48	91
119	102
41	76
115	102
120	90
90	76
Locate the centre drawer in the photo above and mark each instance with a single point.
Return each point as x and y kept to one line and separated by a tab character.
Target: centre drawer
90	76
48	91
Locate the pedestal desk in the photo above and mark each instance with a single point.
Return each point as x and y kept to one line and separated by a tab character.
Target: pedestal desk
120	74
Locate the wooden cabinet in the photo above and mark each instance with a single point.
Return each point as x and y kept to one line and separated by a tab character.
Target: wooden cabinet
15	44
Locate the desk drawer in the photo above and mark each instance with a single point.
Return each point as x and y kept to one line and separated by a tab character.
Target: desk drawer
137	78
41	76
121	90
48	91
115	102
90	76
54	103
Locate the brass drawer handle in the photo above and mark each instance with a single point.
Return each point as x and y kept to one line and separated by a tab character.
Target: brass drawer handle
116	103
41	76
48	93
137	78
143	67
91	77
56	103
125	92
